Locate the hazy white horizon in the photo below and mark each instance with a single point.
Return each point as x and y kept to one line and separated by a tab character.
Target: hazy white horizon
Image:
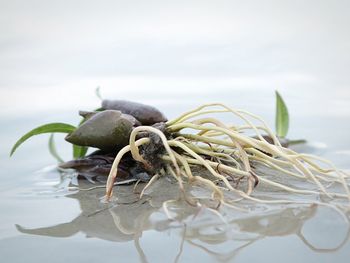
53	54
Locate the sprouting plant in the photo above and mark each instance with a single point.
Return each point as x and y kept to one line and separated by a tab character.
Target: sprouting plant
281	124
228	152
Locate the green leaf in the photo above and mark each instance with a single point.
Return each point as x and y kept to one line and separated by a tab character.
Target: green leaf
79	151
282	117
52	149
98	93
47	128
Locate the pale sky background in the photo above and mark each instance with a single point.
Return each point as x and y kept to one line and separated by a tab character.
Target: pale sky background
53	54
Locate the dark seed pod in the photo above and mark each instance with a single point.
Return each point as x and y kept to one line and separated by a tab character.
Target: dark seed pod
146	114
97	164
88	114
107	130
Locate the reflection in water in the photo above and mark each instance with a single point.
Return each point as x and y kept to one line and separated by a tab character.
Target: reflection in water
128	217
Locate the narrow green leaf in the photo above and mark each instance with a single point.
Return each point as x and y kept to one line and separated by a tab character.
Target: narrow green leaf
282	117
98	93
47	128
52	149
83	151
79	151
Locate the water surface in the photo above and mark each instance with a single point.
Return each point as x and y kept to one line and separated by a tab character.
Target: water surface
46	221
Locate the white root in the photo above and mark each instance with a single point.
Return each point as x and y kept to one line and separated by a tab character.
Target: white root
231	151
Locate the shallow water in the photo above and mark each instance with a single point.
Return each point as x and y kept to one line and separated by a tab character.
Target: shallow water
45	220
